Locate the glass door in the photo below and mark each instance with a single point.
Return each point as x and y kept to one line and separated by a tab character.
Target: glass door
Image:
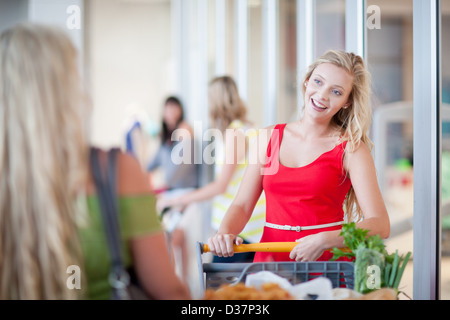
445	160
390	61
329	26
287	63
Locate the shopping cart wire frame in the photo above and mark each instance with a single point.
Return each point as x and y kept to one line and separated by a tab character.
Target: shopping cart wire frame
213	275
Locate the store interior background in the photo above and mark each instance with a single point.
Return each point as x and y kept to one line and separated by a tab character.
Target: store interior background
129	54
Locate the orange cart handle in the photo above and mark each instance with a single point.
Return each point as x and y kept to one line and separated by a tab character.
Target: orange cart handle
263	247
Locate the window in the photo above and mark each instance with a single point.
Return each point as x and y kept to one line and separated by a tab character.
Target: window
445	160
389	58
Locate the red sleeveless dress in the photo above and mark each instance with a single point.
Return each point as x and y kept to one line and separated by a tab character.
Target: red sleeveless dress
310	195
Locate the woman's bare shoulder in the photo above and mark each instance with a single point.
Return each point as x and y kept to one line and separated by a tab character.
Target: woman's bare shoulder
362	149
268	131
184	125
132	178
360	154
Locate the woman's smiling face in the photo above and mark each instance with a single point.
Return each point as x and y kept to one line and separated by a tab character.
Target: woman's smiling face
327	91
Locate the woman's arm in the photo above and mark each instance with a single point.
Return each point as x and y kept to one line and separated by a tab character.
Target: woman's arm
220	184
154	269
244	203
150	254
361	169
212	189
237	214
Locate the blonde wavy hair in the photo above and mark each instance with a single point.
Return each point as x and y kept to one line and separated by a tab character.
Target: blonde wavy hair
43	161
225	102
353	122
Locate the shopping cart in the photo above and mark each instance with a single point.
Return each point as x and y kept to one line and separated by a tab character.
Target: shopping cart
213	275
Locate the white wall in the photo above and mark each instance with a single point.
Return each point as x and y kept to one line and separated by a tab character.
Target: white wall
66	14
128	58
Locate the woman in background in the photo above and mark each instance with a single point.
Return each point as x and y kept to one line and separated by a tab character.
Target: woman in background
229	115
49	211
174	130
178	178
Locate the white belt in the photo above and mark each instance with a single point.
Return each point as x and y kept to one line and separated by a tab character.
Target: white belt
299	228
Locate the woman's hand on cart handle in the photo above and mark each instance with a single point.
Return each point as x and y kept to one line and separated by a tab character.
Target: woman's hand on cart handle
259	247
263	247
222	245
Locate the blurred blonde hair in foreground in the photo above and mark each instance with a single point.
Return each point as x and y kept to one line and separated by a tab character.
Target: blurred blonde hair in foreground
43	159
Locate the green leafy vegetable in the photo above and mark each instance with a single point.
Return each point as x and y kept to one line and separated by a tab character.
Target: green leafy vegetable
369	266
394	270
355	238
391	265
387	272
400	272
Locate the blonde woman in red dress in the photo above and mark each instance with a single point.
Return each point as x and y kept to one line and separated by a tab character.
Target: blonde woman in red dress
317	172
